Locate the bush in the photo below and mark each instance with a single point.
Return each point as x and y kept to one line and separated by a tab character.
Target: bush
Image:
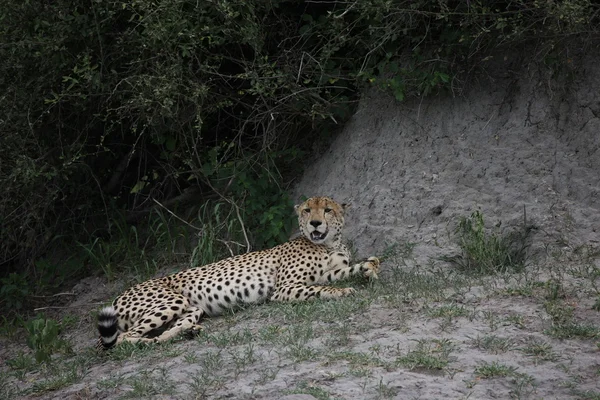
487	253
43	338
108	105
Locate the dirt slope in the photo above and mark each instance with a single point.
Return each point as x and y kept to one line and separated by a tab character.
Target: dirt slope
516	139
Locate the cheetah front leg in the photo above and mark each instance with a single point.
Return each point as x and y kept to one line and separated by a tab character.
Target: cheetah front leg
341	270
300	292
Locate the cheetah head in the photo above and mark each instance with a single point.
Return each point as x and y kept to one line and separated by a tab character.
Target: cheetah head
321	219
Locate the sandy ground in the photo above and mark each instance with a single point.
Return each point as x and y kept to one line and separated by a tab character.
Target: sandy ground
517	146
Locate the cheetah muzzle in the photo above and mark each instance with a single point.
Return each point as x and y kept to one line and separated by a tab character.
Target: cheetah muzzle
298	270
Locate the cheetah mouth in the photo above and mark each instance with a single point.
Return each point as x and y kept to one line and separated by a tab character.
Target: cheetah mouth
318	236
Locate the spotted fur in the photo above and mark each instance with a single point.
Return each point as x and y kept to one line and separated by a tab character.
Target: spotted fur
160	309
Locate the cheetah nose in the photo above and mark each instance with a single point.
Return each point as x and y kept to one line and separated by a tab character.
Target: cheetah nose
315	223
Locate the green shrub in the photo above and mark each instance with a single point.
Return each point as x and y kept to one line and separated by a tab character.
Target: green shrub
109	106
488	253
43	338
13	292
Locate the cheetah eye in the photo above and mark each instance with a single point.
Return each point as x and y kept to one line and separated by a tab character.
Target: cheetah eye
328	210
307	210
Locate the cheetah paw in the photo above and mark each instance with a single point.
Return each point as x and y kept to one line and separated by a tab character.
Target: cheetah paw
372	265
193	331
348	291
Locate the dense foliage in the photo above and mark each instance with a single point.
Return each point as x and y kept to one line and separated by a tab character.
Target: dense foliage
110	109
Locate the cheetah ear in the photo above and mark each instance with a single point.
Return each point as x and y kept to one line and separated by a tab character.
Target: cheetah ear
345	206
297	209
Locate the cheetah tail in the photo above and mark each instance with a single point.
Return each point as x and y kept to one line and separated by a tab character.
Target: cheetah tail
108	326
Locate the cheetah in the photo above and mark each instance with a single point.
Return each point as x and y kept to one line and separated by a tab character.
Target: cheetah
162	308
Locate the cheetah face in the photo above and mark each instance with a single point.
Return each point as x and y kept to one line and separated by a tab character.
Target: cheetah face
320	219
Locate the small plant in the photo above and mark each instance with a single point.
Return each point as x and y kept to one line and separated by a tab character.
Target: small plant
516	319
148	384
301	352
267	375
21	364
311	389
488	253
574	330
540	350
7	388
429	354
59	379
191	358
385	391
217	222
564	325
242	359
492	319
14	290
493	344
523	386
588	395
204	383
9	326
554	290
128	350
43	338
212	361
494	370
447	311
397	252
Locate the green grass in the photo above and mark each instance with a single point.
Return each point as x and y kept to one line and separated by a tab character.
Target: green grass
313	390
385	391
361	364
226	338
494	370
525	289
540	350
574	330
300	352
494	344
339	334
204	383
342	337
7	387
428	355
516	320
484	253
447	311
406	285
564	325
57	381
21	364
588	394
147	384
243	358
267	374
60	374
137	351
523	386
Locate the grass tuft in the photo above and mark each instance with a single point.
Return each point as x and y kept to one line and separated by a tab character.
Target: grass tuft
494	344
485	253
428	354
494	370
